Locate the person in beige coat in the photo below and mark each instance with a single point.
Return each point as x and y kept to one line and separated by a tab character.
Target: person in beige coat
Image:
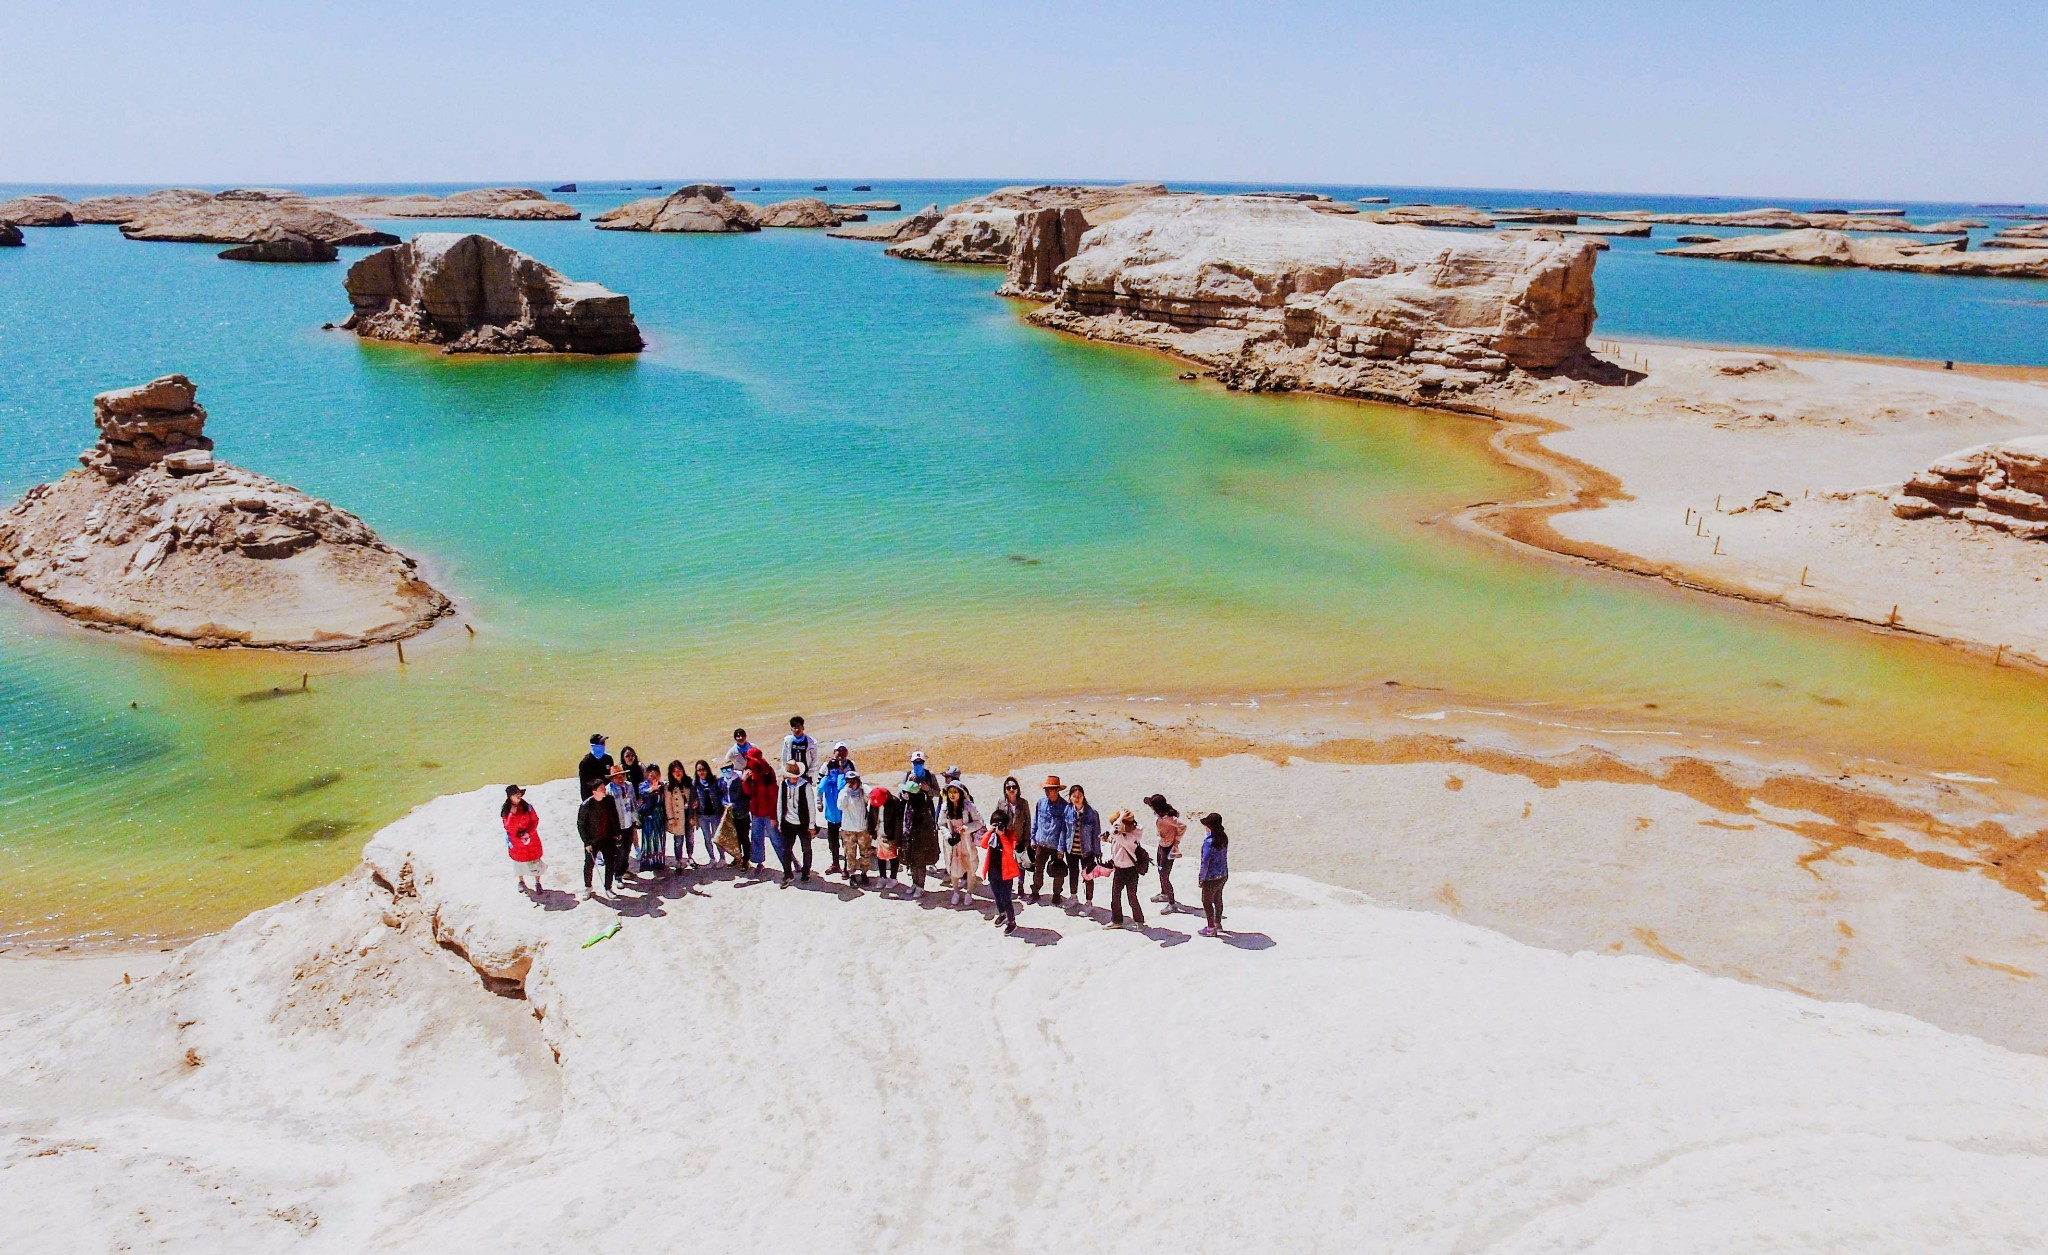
959	821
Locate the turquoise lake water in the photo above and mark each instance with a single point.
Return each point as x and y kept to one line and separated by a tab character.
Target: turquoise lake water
837	478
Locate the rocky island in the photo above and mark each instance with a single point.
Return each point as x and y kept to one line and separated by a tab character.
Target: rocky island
10	235
515	204
471	294
1814	247
695	208
154	536
1277	297
38	211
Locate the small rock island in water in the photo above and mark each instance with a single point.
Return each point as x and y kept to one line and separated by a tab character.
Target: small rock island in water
155	536
471	294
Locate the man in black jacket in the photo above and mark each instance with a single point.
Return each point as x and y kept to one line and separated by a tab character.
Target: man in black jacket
596	765
597	822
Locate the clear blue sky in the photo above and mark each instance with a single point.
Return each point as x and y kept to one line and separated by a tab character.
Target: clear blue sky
1879	99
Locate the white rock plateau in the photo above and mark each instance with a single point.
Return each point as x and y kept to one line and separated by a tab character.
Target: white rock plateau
746	1068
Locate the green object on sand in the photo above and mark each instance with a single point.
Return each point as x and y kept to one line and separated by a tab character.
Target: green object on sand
601	936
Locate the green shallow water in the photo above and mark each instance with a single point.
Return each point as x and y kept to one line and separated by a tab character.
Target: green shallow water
835	479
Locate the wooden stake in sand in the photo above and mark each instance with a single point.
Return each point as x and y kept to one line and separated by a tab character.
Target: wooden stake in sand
1717	544
1893	621
401	652
305	680
1997	654
1802	578
471	629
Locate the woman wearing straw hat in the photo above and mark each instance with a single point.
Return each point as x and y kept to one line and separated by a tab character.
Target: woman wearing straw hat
1126	858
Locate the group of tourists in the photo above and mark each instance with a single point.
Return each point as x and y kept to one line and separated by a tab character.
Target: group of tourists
641	818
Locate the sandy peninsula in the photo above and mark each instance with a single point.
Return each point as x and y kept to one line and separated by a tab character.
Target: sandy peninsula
1772	476
420	1057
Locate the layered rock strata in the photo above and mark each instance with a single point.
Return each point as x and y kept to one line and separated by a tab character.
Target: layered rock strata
518	204
154	536
471	294
1432	216
1832	248
1046	239
2002	486
1279	297
143	425
117	209
697	208
38	211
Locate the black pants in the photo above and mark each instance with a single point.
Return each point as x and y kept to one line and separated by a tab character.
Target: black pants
1006	907
918	871
803	839
1043	856
1124	882
1166	857
591	855
1077	867
1212	901
831	844
889	866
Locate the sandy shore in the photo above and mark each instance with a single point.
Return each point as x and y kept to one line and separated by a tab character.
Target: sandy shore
420	1057
31	980
1662	477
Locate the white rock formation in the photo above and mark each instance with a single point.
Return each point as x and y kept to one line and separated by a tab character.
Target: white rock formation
471	294
1279	297
420	1058
696	208
156	537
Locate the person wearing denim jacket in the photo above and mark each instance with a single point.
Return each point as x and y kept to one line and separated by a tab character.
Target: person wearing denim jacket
1052	826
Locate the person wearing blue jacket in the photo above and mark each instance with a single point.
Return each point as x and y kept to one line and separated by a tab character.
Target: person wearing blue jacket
832	782
1084	845
1214	872
1052	824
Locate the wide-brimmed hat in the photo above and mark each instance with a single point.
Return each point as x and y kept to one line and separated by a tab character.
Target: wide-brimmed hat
513	790
953	773
1052	782
792	768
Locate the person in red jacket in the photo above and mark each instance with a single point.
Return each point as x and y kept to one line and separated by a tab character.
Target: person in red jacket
522	835
999	840
764	799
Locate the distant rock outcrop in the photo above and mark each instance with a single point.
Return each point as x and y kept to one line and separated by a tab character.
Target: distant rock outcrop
1046	238
117	209
516	204
1278	297
246	219
10	235
982	238
803	212
156	537
1779	219
899	229
276	244
471	294
563	187
38	211
1431	216
2002	486
1810	247
982	231
696	208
